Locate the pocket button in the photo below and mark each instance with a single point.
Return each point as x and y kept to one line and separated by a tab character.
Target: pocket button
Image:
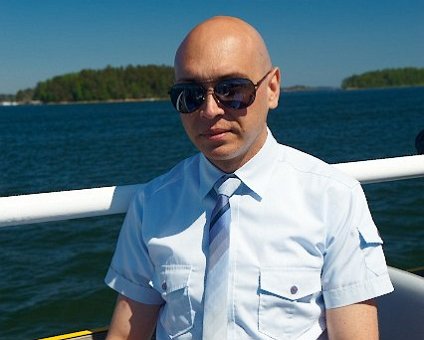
293	290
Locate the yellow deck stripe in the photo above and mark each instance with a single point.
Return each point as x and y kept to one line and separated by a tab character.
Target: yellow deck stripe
74	334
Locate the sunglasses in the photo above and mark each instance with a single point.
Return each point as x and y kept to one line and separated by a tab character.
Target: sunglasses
232	93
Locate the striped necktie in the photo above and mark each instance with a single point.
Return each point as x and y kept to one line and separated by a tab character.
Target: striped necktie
215	319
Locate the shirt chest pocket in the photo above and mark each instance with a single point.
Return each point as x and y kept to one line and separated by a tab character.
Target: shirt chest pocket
177	316
287	301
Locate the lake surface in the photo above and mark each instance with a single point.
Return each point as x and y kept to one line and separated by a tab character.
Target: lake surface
51	274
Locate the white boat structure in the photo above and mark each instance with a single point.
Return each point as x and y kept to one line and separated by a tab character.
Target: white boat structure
7	103
401	313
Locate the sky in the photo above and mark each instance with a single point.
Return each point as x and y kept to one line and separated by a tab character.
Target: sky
314	42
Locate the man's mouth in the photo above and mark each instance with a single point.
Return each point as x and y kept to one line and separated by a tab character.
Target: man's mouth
216	133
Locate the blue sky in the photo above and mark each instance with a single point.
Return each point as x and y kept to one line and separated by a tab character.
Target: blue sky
314	42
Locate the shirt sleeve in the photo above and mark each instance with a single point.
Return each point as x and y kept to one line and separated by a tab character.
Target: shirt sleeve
131	270
354	265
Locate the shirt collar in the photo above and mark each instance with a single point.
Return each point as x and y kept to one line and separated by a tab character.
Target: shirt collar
255	174
209	174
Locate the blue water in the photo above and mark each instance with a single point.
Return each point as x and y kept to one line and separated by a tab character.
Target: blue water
51	274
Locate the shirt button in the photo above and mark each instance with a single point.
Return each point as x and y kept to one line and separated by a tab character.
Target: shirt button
293	290
164	285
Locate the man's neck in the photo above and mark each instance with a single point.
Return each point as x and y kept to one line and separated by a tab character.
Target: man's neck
233	164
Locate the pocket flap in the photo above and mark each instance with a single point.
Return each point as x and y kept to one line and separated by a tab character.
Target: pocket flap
369	234
174	277
290	283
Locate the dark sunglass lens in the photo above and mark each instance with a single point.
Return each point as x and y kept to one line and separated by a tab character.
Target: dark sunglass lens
187	98
235	93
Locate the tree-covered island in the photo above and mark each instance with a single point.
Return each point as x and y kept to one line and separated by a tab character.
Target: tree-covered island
395	77
108	84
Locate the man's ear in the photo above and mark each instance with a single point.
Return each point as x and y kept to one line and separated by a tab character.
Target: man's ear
274	88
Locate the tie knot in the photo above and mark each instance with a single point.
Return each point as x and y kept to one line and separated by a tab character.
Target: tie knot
227	185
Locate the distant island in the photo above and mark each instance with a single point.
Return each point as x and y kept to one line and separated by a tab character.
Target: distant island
108	84
394	77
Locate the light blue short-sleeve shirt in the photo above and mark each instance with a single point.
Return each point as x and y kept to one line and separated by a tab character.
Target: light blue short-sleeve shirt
302	241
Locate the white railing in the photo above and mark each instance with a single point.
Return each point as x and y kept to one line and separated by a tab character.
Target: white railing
65	205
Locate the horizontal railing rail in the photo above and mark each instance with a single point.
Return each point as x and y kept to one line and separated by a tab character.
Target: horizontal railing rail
66	205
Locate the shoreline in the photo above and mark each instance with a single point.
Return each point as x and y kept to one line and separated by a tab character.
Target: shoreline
109	101
290	89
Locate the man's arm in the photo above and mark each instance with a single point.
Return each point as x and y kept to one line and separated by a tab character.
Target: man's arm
357	321
132	320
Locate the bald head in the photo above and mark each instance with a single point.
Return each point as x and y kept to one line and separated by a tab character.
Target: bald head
217	49
220	46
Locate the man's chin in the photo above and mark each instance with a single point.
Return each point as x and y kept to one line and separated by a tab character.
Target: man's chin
221	153
225	161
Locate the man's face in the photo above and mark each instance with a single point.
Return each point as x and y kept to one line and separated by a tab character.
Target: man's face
227	137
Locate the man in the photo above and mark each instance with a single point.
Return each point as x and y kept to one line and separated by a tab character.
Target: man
302	258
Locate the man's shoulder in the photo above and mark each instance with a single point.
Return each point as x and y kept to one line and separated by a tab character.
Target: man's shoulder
174	180
310	166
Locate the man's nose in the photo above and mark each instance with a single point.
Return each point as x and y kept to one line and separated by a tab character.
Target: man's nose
211	107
